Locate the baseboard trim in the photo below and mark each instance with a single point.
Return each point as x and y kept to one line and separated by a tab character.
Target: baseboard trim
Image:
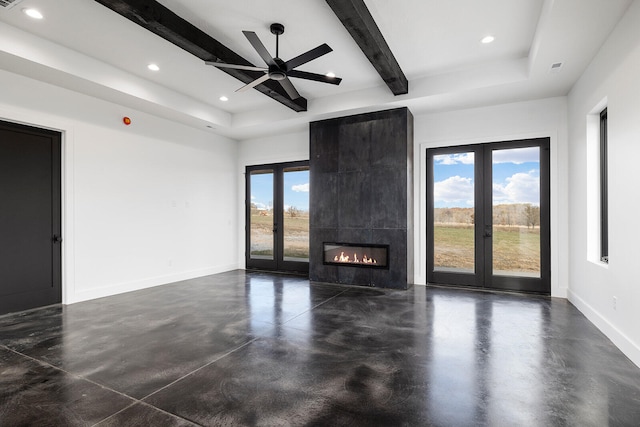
120	288
623	342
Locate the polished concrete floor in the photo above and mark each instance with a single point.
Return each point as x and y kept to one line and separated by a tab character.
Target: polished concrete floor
255	349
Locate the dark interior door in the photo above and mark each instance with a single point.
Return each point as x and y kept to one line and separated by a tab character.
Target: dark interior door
488	215
30	217
277	217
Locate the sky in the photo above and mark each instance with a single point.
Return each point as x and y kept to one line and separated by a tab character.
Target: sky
296	190
516	178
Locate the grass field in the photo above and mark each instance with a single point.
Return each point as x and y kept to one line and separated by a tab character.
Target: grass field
514	248
296	236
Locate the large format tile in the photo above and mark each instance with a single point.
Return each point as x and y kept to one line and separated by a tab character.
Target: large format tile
134	354
294	380
250	348
32	394
140	414
138	342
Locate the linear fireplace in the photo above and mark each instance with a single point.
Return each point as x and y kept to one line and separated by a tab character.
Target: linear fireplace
356	255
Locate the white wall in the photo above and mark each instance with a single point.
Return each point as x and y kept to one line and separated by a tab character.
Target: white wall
143	204
612	78
531	119
289	147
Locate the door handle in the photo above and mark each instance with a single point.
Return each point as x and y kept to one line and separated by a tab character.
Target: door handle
488	232
56	238
275	228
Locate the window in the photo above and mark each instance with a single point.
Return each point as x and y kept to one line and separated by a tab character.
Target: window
604	211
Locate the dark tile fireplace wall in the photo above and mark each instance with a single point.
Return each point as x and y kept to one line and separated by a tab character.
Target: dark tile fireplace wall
361	178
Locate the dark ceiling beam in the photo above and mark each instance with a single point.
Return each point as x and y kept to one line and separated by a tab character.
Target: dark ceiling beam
357	19
159	20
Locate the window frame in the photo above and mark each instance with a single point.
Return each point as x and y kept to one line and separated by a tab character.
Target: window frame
604	182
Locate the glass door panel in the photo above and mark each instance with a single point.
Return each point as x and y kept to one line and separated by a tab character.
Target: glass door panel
516	211
488	216
277	215
261	217
296	214
453	212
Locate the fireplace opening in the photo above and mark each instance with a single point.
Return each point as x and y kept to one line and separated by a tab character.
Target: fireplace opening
356	255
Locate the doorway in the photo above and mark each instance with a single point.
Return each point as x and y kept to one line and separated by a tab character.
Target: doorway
488	216
30	218
277	217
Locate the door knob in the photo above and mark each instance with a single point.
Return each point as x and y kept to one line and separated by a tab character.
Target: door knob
56	238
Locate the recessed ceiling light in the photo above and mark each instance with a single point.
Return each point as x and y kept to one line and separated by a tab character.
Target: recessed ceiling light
224	98
330	74
153	67
33	13
487	39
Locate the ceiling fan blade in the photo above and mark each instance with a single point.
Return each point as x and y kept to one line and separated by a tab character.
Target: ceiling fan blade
317	52
254	83
313	76
259	47
288	86
234	66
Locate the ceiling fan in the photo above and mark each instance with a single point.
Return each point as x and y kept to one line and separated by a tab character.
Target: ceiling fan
278	69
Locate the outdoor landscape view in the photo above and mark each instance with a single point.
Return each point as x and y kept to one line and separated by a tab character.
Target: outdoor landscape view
295	229
516	212
515	200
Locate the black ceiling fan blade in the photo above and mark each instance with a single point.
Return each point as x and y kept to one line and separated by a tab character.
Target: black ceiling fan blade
235	67
317	52
315	77
288	86
254	83
259	47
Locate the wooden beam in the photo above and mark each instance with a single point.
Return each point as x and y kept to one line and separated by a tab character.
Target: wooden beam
357	19
159	20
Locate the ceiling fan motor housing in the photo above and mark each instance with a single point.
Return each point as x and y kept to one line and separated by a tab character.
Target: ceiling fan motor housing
278	70
277	29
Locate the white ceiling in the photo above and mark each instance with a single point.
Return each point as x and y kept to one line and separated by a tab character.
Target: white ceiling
86	47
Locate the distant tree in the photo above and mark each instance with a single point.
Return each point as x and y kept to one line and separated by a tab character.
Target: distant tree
293	211
446	215
531	215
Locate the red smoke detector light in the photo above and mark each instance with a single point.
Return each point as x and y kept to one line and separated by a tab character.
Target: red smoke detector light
126	121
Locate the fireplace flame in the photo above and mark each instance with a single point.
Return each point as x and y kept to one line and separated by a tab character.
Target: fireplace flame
346	259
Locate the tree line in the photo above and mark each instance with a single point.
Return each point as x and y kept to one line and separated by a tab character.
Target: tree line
511	215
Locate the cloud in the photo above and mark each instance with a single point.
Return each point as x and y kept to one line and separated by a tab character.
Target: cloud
520	188
454	159
301	188
516	155
454	190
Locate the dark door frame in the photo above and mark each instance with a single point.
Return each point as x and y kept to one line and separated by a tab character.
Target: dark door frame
277	263
55	295
483	206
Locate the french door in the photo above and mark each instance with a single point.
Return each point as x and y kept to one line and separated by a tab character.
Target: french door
277	217
488	216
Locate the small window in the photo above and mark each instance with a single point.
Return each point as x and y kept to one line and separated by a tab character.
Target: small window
604	204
